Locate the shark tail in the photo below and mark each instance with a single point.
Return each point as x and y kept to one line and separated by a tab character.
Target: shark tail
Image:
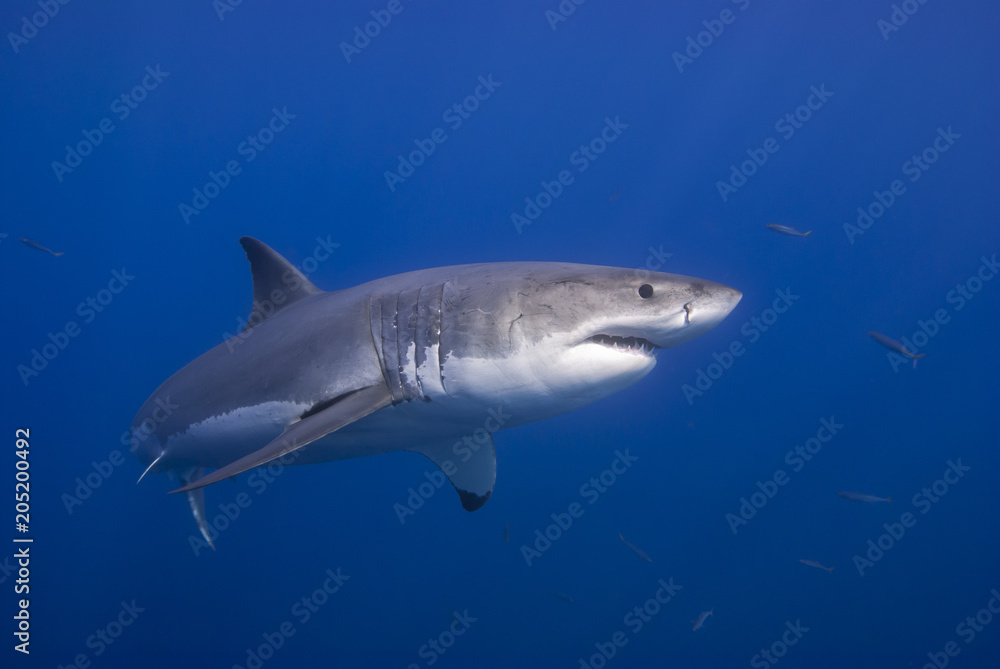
196	500
828	568
889	499
57	253
807	233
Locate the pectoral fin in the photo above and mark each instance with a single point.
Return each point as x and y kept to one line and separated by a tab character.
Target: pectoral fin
473	478
344	411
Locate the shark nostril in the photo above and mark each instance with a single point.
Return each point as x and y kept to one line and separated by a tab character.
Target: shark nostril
687	313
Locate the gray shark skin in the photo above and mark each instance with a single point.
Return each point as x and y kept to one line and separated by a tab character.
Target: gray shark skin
413	362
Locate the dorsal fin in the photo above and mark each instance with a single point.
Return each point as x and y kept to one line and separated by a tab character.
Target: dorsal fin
271	272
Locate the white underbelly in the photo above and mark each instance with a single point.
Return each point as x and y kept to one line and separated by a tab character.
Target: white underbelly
219	440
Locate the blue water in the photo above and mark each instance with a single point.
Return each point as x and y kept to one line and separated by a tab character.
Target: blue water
879	97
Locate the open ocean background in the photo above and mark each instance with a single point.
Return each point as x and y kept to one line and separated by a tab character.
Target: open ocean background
653	189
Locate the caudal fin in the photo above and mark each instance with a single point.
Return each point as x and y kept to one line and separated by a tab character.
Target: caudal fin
889	499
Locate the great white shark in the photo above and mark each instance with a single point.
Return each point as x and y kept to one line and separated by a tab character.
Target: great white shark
413	362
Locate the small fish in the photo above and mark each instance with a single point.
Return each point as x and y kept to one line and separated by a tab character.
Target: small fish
861	497
785	230
506	533
564	597
813	563
614	196
896	346
701	619
31	243
635	549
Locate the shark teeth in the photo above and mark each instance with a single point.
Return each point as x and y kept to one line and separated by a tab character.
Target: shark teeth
632	344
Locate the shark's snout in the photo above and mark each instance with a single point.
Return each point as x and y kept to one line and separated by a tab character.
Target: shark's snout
713	303
699	307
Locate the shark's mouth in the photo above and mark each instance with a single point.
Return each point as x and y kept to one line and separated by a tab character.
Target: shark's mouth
636	345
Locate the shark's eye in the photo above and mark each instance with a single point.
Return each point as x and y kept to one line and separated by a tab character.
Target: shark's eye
645	291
